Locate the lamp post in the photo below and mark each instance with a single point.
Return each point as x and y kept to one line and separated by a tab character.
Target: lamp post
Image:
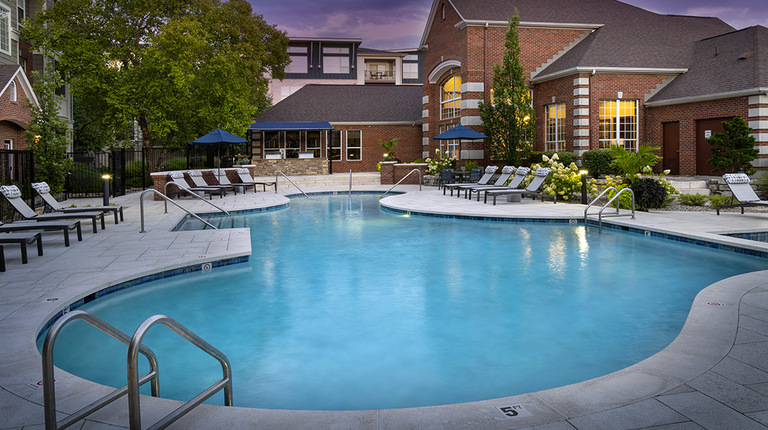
106	178
583	174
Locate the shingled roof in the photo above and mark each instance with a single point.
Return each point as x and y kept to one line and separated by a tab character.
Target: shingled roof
349	104
625	36
730	65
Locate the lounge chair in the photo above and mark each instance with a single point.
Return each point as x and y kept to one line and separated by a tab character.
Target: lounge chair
177	179
532	189
484	180
221	177
44	191
22	239
742	192
520	175
446	177
246	178
63	226
506	173
13	195
199	182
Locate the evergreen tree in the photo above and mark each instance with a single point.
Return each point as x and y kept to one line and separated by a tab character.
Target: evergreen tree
734	148
509	121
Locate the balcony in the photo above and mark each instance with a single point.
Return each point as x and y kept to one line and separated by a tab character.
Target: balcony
380	76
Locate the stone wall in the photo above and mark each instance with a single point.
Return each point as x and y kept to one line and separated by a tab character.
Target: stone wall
290	167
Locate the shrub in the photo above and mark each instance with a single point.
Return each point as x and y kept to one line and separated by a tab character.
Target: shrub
564	157
649	193
85	179
135	174
718	200
177	163
597	162
630	164
418	161
564	181
734	148
435	165
692	199
469	165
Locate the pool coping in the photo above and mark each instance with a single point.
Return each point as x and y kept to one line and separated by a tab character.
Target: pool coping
706	338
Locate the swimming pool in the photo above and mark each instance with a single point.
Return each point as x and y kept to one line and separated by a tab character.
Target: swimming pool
346	307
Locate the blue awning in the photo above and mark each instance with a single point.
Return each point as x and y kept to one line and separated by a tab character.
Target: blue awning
291	126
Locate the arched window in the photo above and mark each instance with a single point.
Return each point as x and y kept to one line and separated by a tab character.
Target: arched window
450	97
12	91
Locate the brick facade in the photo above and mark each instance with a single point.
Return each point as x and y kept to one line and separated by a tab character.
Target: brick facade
14	117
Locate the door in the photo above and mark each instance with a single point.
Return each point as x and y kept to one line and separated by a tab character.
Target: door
704	129
671	145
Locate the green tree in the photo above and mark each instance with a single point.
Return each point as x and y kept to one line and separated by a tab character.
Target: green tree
48	132
509	121
180	68
734	148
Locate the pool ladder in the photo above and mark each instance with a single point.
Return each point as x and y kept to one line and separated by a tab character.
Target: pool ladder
135	347
611	200
398	182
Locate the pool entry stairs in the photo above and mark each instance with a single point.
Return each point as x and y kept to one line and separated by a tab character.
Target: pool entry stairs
615	198
134	380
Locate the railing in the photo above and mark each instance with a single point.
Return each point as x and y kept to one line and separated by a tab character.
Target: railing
611	200
289	180
401	180
168	199
134	402
383	75
350	182
49	388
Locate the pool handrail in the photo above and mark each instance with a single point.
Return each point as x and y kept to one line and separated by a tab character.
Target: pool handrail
401	180
192	193
289	180
134	382
168	199
611	200
49	388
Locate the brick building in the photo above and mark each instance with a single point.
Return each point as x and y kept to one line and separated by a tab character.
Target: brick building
601	72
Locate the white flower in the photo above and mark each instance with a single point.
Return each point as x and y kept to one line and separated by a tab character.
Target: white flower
544	158
554	156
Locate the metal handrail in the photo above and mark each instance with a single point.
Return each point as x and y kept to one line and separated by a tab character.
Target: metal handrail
193	194
49	389
401	180
134	402
350	182
289	180
611	200
168	199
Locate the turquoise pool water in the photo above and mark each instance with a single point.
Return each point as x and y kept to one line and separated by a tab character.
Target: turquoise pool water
344	306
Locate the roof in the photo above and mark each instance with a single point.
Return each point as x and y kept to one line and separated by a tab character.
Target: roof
729	65
621	33
291	126
348	104
8	72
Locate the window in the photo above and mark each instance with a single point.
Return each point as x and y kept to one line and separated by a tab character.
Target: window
5	30
287	90
332	50
335	60
272	140
334	142
313	142
450	98
555	128
618	123
299	60
12	91
292	143
21	6
448	148
410	71
354	145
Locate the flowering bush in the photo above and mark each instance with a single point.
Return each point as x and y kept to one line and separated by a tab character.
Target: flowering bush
435	165
623	181
241	159
563	181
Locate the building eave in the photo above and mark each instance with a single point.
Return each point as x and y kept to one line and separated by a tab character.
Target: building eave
612	70
709	97
528	24
374	123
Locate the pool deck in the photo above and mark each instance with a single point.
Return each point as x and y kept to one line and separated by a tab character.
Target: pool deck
713	376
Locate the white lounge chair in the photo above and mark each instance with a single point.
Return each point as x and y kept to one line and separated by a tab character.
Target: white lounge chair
177	179
246	178
742	192
532	189
221	176
199	182
13	195
44	191
520	175
484	180
506	173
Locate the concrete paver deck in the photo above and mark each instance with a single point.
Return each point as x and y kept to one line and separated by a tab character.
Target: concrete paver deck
714	375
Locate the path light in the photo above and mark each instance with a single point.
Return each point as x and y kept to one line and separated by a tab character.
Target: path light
583	174
106	177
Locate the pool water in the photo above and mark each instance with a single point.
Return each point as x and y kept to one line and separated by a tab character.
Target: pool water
344	306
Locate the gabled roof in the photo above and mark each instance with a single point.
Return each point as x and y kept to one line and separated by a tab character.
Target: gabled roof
9	72
340	104
731	65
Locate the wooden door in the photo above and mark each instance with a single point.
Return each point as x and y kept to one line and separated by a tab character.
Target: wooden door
671	147
704	129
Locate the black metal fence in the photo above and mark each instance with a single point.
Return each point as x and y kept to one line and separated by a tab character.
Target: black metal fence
16	168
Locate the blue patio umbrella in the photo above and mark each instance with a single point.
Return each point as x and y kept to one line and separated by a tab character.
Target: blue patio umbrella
460	132
218	137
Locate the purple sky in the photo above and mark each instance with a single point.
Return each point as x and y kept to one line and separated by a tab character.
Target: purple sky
399	23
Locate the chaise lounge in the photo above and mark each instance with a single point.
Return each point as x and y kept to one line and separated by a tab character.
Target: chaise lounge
532	189
520	175
177	179
63	226
22	239
506	173
199	182
246	178
742	192
44	191
484	180
13	195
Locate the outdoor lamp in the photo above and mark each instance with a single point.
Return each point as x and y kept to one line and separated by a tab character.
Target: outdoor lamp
106	178
583	174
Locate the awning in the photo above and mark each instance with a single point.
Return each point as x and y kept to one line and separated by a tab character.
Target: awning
291	126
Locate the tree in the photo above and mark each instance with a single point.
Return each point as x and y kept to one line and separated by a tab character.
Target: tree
48	132
179	68
509	121
734	148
